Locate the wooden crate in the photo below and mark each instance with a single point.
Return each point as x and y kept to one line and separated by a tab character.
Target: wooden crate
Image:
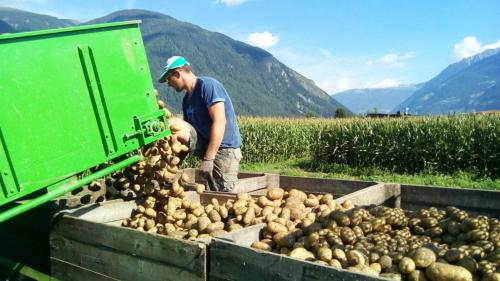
233	259
414	197
89	244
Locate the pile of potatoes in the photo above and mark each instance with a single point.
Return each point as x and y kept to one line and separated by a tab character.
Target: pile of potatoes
430	244
158	164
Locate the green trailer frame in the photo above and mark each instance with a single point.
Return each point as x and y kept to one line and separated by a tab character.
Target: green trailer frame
71	99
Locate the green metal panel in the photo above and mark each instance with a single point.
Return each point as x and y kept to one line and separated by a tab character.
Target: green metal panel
71	99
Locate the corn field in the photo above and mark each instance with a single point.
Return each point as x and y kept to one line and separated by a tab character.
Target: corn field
439	144
404	145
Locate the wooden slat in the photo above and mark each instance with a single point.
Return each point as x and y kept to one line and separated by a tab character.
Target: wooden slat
103	212
62	270
414	197
250	184
244	237
123	266
185	255
336	187
378	194
229	261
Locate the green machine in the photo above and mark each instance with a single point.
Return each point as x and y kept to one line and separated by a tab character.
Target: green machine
71	99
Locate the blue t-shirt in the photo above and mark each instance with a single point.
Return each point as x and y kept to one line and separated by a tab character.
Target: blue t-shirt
195	109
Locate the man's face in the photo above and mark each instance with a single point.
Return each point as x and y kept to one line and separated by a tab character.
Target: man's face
173	80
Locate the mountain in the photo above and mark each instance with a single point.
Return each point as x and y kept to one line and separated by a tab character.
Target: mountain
20	21
5	27
360	101
258	83
472	84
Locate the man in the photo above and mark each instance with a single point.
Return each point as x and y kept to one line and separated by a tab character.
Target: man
214	135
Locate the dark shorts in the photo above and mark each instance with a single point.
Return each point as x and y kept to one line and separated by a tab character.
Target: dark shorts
226	162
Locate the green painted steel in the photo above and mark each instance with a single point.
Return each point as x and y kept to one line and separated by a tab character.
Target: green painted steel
17	269
71	99
65	186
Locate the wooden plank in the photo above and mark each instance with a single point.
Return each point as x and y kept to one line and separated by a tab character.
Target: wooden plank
186	255
62	270
378	194
244	237
250	184
119	265
103	212
334	186
245	175
229	261
485	202
273	180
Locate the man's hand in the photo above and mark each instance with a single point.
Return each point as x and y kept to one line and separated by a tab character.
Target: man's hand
207	167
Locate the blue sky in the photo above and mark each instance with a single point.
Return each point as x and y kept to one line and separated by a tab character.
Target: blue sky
338	44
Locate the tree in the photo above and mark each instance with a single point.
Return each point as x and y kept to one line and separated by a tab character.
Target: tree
340	113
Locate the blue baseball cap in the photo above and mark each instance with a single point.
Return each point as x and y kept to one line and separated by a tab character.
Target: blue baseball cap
172	63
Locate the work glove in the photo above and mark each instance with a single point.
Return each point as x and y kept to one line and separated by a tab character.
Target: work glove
207	167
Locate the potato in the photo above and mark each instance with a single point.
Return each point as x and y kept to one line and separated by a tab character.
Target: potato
261	246
376	267
214	216
406	265
275	193
311	202
200	188
223	212
417	275
214	226
468	263
385	261
275	227
193	233
492	276
203	223
263	201
249	216
234	227
423	257
335	263
339	254
284	239
443	272
355	257
140	209
150	212
325	254
301	254
217	232
393	276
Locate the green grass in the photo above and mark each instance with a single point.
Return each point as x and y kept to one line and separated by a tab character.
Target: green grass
305	168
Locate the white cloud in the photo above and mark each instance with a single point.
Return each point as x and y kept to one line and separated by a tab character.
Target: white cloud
469	46
392	59
408	55
231	2
389	59
326	53
387	83
263	39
